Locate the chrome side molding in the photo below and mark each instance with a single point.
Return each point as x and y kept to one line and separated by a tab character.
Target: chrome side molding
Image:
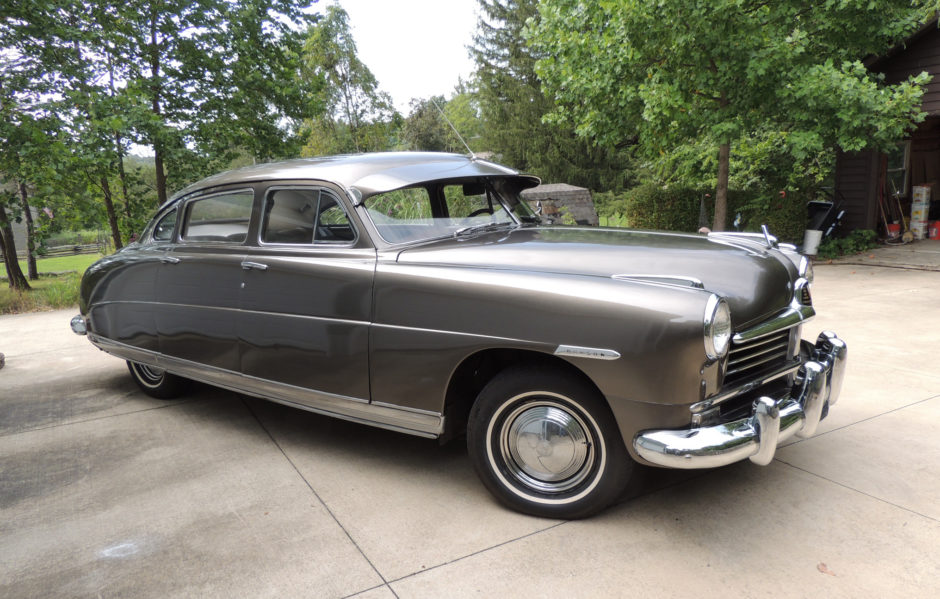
678	280
593	353
404	420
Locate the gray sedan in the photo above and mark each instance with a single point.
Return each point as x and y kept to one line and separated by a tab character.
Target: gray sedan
418	292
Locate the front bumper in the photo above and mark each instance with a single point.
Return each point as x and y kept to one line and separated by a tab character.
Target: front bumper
771	422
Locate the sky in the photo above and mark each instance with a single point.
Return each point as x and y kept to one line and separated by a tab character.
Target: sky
415	48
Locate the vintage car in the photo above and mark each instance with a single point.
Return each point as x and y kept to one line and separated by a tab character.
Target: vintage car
418	292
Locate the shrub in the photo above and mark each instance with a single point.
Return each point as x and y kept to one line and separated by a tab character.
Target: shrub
853	243
83	237
675	208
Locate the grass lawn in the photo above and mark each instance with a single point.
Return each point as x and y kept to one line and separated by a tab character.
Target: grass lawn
50	291
78	263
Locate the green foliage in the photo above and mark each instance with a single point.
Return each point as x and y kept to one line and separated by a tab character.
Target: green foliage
678	208
57	287
48	293
512	105
853	243
653	207
201	82
357	116
74	237
664	72
426	130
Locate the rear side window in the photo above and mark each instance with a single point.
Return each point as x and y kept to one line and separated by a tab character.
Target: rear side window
221	217
305	216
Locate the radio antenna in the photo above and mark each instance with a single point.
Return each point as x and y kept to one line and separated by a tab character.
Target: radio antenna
457	133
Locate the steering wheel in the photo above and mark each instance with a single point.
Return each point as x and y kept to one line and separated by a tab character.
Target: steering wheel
480	211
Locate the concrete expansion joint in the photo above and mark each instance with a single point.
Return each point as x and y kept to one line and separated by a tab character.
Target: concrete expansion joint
315	494
859	491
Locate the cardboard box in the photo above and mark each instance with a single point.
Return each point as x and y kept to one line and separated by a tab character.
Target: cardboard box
921	196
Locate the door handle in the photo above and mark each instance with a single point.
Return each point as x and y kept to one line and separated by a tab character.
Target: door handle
254	265
170	260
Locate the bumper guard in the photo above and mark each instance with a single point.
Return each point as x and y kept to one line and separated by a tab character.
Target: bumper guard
771	422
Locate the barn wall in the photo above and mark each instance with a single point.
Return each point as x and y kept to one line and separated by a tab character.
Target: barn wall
858	173
921	54
857	182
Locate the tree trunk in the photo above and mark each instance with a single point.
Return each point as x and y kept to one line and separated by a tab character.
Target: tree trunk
31	269
721	193
119	147
123	175
15	277
112	216
155	89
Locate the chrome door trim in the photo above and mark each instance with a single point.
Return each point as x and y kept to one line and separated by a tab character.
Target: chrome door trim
249	265
221	309
419	423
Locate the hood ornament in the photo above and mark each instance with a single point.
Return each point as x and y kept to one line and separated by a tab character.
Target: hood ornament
767	237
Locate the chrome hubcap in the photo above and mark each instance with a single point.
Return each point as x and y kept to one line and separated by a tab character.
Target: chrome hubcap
546	447
150	374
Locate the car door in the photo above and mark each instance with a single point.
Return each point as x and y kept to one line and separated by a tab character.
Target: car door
307	297
199	282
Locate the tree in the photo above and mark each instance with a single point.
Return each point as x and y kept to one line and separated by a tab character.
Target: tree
426	130
199	81
666	71
357	116
463	110
512	105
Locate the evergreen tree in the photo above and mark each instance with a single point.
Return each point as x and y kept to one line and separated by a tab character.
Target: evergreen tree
512	105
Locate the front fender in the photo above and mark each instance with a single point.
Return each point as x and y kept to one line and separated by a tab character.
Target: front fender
429	318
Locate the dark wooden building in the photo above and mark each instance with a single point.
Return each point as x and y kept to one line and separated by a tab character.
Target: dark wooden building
868	178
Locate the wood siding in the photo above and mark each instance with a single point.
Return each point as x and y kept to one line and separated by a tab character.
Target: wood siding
857	173
857	182
920	54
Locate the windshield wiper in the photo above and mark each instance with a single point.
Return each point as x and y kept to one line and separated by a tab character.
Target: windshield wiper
482	228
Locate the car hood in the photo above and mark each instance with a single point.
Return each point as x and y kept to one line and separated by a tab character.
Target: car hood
756	281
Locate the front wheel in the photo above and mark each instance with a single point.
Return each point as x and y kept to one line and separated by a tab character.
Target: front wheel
545	443
157	382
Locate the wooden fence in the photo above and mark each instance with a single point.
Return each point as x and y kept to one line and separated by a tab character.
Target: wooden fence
68	250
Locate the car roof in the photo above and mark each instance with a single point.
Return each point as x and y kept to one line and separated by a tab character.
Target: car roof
367	174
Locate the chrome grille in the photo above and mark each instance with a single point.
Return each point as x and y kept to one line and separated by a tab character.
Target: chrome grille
750	357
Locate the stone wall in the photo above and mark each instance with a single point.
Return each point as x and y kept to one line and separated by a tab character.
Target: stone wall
560	198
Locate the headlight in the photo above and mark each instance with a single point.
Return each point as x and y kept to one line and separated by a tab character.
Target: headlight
717	327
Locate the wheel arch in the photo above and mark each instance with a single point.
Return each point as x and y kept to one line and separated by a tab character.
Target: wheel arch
477	369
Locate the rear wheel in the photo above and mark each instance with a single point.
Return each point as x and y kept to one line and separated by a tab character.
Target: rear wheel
157	382
545	443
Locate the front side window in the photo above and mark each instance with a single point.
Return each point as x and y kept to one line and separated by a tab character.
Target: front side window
304	216
222	217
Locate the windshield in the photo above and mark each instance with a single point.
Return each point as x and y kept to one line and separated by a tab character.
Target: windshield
441	209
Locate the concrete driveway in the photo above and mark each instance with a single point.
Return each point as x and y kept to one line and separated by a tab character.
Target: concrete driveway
105	492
